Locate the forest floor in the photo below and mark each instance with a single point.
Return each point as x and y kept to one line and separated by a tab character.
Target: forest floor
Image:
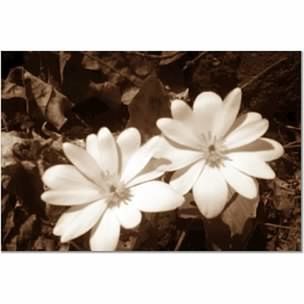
87	90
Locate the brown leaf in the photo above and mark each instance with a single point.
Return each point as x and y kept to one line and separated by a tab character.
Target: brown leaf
108	92
283	195
238	212
42	99
232	229
51	102
129	95
8	140
89	63
170	59
12	90
148	105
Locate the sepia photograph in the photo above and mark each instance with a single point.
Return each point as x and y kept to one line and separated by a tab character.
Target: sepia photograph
151	151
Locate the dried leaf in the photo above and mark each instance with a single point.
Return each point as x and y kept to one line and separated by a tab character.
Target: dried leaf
26	185
51	102
183	95
238	212
189	209
170	59
129	95
108	92
283	195
89	63
233	228
12	90
64	57
43	243
43	100
148	105
8	140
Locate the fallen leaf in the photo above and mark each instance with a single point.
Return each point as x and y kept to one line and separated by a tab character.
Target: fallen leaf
233	228
148	105
129	95
90	63
238	212
12	90
51	102
283	195
107	92
43	101
170	59
8	140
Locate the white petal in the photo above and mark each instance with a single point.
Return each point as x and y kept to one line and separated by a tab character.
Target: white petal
70	197
178	156
205	109
139	159
244	120
78	220
183	180
155	196
128	142
105	235
94	149
228	113
128	216
179	132
211	192
84	162
240	182
265	148
65	177
154	169
108	154
247	134
251	164
180	110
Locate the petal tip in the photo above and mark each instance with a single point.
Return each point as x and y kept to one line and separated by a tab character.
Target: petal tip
160	122
238	90
43	197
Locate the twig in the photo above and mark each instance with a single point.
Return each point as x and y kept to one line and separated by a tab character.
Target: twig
180	240
278	226
286	126
81	120
153	56
192	62
293	128
76	246
137	83
293	146
265	71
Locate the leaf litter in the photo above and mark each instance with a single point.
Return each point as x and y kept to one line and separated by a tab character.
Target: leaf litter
63	96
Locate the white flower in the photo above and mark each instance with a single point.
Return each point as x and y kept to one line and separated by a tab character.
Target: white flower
108	186
213	152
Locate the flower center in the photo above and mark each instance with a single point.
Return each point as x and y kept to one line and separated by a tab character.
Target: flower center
116	192
213	151
214	156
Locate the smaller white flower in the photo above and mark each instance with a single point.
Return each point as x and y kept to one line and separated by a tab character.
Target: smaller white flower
215	153
107	187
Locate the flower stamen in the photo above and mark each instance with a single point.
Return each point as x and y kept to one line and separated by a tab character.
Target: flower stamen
117	193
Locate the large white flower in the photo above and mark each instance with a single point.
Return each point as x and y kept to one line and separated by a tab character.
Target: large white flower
107	187
213	151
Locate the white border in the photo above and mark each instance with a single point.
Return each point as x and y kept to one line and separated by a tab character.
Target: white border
151	277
